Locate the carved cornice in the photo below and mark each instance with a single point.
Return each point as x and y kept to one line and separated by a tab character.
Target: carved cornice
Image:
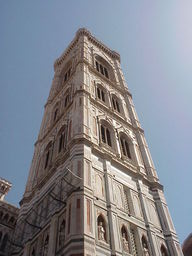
91	38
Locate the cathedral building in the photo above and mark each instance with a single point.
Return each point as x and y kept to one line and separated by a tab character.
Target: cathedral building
92	188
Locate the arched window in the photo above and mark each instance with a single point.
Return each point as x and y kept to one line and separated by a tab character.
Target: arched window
1	215
101	226
102	66
6	217
4	243
163	251
62	233
67	75
0	236
116	104
48	155
62	139
45	246
66	101
124	237
33	252
145	246
12	220
125	147
106	135
55	114
66	72
101	94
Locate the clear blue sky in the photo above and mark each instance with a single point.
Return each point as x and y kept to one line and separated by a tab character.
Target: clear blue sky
154	39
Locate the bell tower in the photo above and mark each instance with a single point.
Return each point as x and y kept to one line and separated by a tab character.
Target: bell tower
92	188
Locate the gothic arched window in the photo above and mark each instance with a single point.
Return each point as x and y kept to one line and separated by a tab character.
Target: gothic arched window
101	226
66	73
45	246
116	103
145	246
106	135
4	243
55	114
103	67
125	146
62	233
62	139
6	217
101	93
47	155
33	252
124	237
12	220
163	251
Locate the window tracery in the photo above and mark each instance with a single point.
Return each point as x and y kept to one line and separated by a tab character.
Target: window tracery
116	103
125	146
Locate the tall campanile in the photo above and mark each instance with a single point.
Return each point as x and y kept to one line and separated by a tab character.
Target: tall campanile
92	187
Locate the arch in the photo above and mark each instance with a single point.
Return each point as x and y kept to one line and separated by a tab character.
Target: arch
145	245
0	236
62	232
47	154
107	133
62	137
33	252
1	214
99	185
116	104
46	245
55	111
164	250
119	196
125	144
66	71
124	238
104	67
12	220
101	93
6	217
4	242
101	226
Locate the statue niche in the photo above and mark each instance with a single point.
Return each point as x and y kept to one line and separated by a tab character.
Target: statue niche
101	228
125	242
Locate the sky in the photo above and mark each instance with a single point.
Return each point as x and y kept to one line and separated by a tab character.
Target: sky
154	39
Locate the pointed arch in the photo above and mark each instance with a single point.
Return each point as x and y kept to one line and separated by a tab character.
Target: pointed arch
62	139
125	144
62	229
145	244
119	196
104	67
4	243
116	103
124	238
101	227
99	185
164	251
66	72
48	155
107	133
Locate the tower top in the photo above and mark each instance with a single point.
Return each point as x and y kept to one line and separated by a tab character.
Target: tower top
85	32
4	188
